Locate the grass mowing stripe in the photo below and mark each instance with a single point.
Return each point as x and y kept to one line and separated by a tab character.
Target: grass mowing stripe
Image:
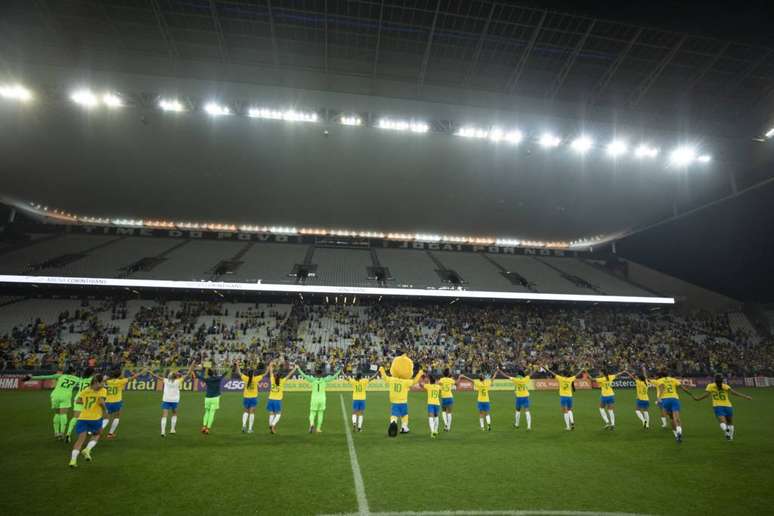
362	501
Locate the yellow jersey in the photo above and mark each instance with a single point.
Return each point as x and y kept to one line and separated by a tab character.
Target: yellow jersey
90	399
447	386
642	389
606	385
399	387
720	397
433	393
359	389
250	391
277	391
521	384
669	387
115	389
565	384
483	388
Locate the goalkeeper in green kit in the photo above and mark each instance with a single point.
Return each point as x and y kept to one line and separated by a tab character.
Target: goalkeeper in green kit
61	398
317	403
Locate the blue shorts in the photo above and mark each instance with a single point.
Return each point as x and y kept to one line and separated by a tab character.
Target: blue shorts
433	410
565	401
447	402
607	400
274	406
114	407
399	409
85	425
249	402
670	404
169	405
643	405
522	403
724	411
484	406
358	405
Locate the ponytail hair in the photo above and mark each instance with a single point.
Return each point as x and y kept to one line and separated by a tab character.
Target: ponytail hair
250	379
719	382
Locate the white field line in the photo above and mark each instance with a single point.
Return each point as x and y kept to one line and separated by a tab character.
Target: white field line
538	512
362	501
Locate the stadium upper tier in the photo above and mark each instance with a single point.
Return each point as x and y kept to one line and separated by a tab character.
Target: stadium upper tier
158	258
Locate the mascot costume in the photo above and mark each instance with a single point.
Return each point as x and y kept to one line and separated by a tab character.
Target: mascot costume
399	383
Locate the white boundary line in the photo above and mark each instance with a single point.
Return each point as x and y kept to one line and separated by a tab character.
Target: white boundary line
323	289
362	501
538	512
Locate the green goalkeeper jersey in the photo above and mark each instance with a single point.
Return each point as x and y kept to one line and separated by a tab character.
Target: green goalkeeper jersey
318	384
65	383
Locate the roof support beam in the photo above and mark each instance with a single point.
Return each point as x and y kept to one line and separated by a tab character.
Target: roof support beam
479	47
737	82
565	71
378	39
510	86
325	21
705	69
219	29
164	30
612	69
274	52
428	47
653	76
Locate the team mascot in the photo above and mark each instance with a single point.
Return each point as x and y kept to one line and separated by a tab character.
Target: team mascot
399	383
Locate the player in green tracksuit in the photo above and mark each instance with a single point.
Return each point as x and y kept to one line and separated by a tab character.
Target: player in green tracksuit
61	398
317	403
85	382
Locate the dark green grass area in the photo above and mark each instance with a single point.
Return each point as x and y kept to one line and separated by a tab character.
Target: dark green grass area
227	472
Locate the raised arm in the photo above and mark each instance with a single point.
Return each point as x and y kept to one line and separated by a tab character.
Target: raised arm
703	395
304	376
292	372
418	376
45	376
737	393
334	376
383	373
685	390
549	371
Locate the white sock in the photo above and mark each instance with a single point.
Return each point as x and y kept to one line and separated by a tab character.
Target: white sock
244	419
105	423
114	426
646	415
354	419
572	418
731	430
251	420
271	419
663	422
488	419
74	454
173	424
430	422
276	418
360	421
603	413
640	416
567	419
445	419
91	444
449	415
724	427
611	414
518	417
437	424
529	420
481	422
163	424
679	430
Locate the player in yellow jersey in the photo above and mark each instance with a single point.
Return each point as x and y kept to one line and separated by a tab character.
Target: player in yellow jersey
276	393
399	389
655	382
642	403
433	404
565	395
448	384
606	397
249	396
482	386
114	402
92	402
521	388
359	387
668	387
721	404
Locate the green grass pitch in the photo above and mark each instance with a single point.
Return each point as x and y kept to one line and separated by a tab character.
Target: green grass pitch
629	470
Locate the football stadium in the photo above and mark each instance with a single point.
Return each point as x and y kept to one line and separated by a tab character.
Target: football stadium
386	257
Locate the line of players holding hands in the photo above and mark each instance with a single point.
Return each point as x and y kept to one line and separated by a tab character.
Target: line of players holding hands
98	400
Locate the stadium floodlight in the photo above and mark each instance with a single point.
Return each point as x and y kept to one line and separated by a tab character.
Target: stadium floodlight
215	109
112	100
15	92
507	242
498	135
582	144
616	148
351	120
289	115
704	158
770	133
173	105
645	151
682	156
472	132
427	238
403	125
85	98
549	141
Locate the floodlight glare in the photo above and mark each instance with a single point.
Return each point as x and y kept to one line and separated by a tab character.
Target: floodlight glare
214	109
616	148
548	140
582	144
351	120
112	100
770	133
402	125
704	158
472	132
85	98
682	156
173	105
645	151
513	137
15	92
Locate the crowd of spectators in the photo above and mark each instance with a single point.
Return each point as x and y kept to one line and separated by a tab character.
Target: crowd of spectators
470	338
